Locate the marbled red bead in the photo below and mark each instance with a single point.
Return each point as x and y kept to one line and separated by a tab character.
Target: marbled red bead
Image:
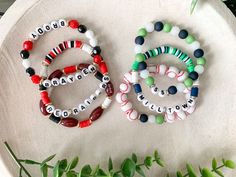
83	65
46	100
97	59
43	108
70	69
85	123
69	122
28	45
73	24
109	89
56	74
96	114
36	79
103	67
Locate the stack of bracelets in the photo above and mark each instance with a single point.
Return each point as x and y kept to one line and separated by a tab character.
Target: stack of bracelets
188	81
69	75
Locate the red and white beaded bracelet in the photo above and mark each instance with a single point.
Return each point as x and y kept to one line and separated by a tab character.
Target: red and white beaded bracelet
62	116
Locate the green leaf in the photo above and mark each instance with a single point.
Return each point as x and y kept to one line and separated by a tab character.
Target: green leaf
230	164
73	164
20	172
179	174
140	171
128	168
71	174
191	171
193	5
160	162
101	172
56	169
207	173
110	164
63	164
48	159
31	162
86	170
214	164
44	170
219	173
95	171
156	155
116	175
134	158
148	161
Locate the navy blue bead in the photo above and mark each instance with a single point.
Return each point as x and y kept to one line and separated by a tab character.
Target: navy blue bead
183	34
139	40
172	90
158	26
194	91
24	54
137	88
198	53
97	50
143	118
54	118
142	65
30	71
193	75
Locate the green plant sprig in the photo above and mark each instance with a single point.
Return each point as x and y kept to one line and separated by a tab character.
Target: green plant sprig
129	167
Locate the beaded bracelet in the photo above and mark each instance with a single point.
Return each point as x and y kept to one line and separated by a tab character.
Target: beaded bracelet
178	112
28	44
62	117
174	31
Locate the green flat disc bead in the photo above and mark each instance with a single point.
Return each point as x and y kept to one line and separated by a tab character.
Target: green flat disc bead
159	119
135	66
201	61
149	81
142	32
190	39
139	57
167	27
188	82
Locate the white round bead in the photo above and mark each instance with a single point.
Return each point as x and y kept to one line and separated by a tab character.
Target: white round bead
125	88
57	112
135	77
50	109
47	83
75	111
152	107
121	97
106	103
92	68
63	81
161	69
98	92
87	48
126	106
154	90
87	102
26	63
78	76
132	114
160	109
102	85
162	93
54	25
196	83
128	78
182	75
180	87
62	23
47	27
145	103
93	42
65	113
89	34
195	45
33	35
144	74
175	31
71	79
93	97
106	79
82	107
172	72
138	49
187	96
199	69
149	27
55	82
151	119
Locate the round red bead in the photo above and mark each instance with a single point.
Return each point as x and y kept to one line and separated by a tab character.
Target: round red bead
36	79
97	59
74	24
28	45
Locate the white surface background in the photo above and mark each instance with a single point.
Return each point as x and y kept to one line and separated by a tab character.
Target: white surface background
210	132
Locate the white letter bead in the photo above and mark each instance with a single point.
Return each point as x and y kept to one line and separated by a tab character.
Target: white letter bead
78	76
47	27
121	97
138	49
172	72
55	82
160	109
126	106
185	107
128	78
151	119
125	88
89	34
82	107
33	35
199	69
162	93
175	31
98	92
106	79
146	103
140	97
93	97
152	107
149	27
182	75
65	113
26	63
106	103
47	83
177	108
170	110
87	48
75	111
191	102
144	74
134	77
71	78
92	68
40	31
154	90
54	24
50	109
161	69
57	112
93	42
63	80
87	102
102	85
85	71
63	23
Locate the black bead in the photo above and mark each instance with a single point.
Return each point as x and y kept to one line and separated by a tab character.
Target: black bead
97	50
54	118
30	71
158	26
24	54
183	34
41	87
193	75
82	28
139	40
142	65
172	90
99	76
143	118
198	53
